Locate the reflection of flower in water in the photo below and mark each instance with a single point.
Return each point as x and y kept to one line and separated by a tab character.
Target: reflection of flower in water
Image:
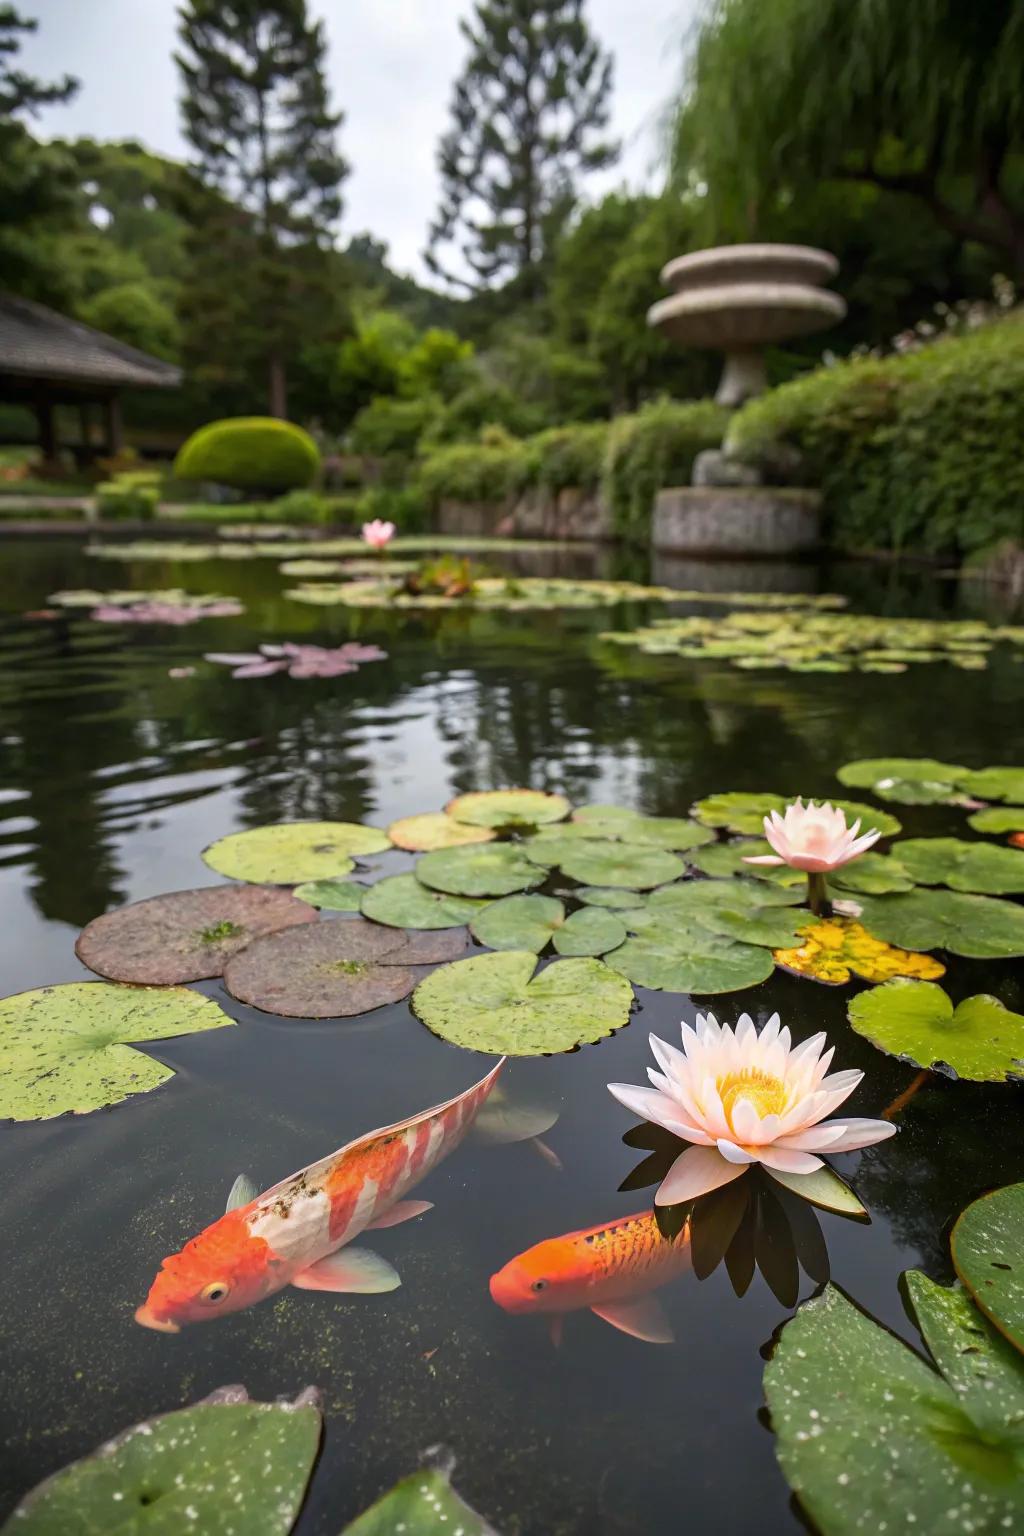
298	661
743	1098
166	613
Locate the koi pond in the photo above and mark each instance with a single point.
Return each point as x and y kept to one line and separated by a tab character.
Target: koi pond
748	1353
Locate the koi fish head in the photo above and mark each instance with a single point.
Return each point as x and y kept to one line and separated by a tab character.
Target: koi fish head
546	1278
222	1270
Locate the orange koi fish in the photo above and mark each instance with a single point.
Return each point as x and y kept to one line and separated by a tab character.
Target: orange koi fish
297	1233
612	1269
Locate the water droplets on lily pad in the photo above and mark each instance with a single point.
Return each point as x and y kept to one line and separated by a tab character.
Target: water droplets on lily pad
979	1039
424	1504
293	852
987	1243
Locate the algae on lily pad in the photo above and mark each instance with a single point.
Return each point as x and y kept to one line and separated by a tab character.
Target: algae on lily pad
490	869
980	927
979	1039
68	1048
402	901
208	1468
832	949
870	1437
293	852
998	818
590	931
495	1003
508	808
185	935
332	895
424	1504
962	865
518	922
988	1254
634	866
435	829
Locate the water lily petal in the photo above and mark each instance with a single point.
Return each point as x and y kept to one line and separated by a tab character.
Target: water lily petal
762	858
649	1104
786	1161
823	1137
859	1133
733	1153
696	1172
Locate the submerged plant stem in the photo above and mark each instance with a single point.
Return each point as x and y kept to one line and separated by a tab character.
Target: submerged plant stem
903	1099
817	894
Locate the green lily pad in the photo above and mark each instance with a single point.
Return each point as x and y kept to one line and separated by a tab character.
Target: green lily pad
185	935
508	808
207	1468
590	931
425	1504
980	1039
624	825
870	1437
745	812
332	895
294	851
981	927
998	818
963	865
401	901
335	970
611	896
519	922
908	780
489	869
775	927
689	900
875	874
987	1244
680	959
66	1049
609	863
495	1003
994	783
434	829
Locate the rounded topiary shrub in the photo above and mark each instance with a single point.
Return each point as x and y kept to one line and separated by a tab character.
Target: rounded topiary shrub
250	453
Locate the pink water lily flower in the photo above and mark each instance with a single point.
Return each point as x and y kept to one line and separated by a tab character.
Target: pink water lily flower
298	661
742	1098
378	534
813	837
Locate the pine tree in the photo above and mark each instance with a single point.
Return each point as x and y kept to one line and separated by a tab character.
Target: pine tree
528	115
257	113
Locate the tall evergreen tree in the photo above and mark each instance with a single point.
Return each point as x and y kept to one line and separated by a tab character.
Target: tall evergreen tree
37	183
528	115
257	113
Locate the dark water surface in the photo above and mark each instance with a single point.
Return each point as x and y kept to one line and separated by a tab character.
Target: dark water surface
113	777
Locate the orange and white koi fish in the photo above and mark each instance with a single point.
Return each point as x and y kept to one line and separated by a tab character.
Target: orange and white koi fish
297	1233
612	1269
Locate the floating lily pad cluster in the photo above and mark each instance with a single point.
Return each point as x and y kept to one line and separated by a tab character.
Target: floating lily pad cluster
170	606
509	594
810	640
298	661
926	781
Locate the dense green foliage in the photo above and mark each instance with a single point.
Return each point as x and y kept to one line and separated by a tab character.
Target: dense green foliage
528	114
565	457
654	448
920	451
250	453
473	471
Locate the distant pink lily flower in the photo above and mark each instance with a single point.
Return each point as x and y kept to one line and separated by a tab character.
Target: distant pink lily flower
814	838
299	661
378	534
742	1098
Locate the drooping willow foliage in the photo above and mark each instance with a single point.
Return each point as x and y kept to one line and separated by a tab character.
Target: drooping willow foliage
925	98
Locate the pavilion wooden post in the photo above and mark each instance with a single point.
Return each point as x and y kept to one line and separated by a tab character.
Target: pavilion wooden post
47	419
85	428
114	425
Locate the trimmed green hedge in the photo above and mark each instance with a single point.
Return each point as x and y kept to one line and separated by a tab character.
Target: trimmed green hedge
250	453
564	457
474	471
652	449
920	451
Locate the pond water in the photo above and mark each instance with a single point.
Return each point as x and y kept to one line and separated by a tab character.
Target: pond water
113	777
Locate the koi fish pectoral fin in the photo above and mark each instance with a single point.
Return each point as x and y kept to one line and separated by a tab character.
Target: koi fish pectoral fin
405	1210
356	1270
556	1328
642	1319
242	1191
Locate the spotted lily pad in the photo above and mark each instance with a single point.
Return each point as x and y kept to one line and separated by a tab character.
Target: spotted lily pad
680	959
332	895
611	896
519	922
995	783
186	935
998	818
293	851
980	1039
401	901
492	869
962	865
987	1246
425	1504
68	1048
207	1468
980	927
614	821
635	867
745	812
495	1003
834	948
908	780
590	931
435	829
871	1438
335	970
508	808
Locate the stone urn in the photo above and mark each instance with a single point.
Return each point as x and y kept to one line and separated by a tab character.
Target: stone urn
740	299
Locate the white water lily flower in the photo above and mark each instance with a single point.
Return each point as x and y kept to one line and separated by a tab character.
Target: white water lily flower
741	1097
813	837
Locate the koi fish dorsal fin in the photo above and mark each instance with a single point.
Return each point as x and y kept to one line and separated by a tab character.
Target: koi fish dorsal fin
242	1191
641	1319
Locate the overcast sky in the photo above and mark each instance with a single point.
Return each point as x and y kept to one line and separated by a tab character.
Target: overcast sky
392	63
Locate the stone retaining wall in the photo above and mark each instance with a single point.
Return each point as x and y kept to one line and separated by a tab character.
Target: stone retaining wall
756	521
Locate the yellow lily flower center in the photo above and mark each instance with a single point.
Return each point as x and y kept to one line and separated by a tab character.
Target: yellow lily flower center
765	1092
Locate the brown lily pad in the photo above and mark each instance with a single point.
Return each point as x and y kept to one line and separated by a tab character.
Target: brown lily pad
186	935
336	969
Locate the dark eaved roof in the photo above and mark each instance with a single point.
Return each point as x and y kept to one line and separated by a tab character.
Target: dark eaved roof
38	343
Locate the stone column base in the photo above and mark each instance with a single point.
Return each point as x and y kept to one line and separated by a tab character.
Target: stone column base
755	521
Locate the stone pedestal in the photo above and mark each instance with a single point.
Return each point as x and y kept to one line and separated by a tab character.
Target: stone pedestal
759	521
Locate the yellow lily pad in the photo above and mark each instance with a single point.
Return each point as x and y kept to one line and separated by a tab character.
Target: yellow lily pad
834	948
434	829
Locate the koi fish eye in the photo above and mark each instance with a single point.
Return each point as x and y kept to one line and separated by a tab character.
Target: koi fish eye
215	1292
539	1285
